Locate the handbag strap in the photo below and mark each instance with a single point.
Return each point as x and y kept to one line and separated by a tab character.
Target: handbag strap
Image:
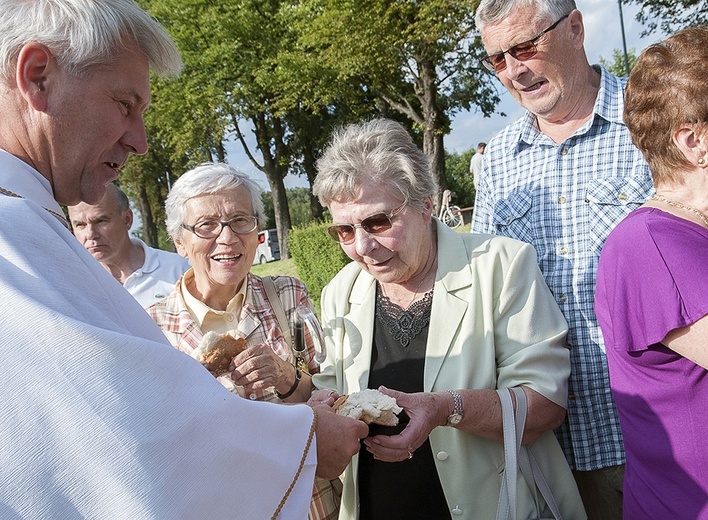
521	457
277	306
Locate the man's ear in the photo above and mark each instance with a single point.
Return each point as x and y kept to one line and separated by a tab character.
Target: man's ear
577	28
128	218
34	63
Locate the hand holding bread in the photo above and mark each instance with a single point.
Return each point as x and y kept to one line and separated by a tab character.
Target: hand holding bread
369	406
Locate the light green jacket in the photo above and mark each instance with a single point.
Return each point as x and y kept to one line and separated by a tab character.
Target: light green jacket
493	324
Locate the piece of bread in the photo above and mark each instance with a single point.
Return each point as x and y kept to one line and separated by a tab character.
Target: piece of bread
217	350
370	406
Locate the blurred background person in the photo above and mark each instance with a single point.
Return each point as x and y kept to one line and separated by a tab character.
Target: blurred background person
476	163
213	216
444	317
652	287
149	274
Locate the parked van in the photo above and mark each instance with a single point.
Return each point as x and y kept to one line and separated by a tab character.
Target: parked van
268	248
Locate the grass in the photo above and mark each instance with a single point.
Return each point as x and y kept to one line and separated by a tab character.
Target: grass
279	267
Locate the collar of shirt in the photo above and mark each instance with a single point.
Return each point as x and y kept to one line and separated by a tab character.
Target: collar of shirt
209	319
609	105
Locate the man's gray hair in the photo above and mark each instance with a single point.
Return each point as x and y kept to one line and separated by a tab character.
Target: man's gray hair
120	197
208	178
379	152
83	34
491	12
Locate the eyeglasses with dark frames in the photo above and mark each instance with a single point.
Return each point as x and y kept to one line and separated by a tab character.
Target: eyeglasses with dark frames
374	224
208	228
521	51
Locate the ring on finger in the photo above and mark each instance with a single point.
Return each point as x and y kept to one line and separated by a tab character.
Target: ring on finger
410	453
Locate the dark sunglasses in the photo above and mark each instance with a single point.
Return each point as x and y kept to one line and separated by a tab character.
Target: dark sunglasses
374	224
521	51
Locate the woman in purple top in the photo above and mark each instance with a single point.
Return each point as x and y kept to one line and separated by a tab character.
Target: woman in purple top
652	288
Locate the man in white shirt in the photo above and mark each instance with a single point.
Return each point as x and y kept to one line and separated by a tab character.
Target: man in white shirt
147	273
100	416
476	162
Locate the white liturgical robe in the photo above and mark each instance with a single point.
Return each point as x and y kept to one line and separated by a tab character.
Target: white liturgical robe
99	416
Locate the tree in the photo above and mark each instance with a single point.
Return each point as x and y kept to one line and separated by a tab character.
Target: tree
617	66
459	179
417	58
670	15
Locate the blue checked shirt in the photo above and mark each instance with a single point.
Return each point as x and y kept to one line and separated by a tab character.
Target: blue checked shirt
564	200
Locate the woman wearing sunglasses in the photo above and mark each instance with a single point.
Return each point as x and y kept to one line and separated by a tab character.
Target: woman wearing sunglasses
438	320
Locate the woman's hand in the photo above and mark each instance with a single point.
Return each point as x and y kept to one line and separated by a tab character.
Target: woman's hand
426	410
258	368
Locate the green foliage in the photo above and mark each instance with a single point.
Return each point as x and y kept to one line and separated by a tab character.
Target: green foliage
457	170
670	15
317	256
298	202
618	66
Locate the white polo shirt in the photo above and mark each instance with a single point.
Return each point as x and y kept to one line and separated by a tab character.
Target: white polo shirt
156	278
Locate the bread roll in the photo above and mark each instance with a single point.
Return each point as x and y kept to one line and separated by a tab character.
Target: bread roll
217	350
370	406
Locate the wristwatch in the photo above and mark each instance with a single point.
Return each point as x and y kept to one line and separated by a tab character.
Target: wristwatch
457	411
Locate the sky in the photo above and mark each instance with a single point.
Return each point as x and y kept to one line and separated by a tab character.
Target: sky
603	34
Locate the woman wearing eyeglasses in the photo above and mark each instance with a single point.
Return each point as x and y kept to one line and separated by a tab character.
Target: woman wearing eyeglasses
213	214
438	320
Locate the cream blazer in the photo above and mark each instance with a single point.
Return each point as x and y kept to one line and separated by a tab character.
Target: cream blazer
493	324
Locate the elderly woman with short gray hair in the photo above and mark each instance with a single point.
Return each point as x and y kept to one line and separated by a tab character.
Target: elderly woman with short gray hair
438	320
213	216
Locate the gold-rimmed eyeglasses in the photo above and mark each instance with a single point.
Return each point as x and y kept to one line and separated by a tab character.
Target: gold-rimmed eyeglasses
374	224
521	51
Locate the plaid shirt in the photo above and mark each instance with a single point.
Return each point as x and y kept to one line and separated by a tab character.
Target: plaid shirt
564	199
256	319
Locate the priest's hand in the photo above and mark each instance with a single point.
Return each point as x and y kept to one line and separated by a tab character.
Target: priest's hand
337	441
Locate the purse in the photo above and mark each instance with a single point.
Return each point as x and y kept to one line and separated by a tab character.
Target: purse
519	457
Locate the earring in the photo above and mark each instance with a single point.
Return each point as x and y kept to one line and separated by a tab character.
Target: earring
701	161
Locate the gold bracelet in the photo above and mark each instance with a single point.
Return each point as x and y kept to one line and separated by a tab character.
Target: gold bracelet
299	468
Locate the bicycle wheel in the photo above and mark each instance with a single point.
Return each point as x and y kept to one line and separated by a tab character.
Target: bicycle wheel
452	217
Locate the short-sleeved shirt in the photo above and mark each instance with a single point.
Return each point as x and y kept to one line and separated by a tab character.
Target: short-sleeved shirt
652	279
564	199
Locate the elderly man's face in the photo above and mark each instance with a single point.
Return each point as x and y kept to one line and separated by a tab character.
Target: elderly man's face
542	83
220	264
103	229
92	125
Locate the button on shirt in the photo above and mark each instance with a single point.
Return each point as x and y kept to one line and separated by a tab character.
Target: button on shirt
564	199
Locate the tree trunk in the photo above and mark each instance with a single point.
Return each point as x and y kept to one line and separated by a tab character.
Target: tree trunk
273	169
149	227
308	164
433	127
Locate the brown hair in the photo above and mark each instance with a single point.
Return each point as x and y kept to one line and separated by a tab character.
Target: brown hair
668	87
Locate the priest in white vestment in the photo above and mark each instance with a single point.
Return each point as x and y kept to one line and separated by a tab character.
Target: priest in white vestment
99	416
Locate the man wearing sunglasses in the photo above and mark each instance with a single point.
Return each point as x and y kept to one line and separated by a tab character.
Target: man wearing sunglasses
561	178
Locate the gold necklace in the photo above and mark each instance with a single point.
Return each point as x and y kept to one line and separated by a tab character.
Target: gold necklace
675	204
61	217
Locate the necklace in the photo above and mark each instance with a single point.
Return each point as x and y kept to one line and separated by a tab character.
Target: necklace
675	204
61	217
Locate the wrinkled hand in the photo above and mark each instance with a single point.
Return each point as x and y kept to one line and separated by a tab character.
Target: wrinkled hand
337	441
425	410
258	367
327	397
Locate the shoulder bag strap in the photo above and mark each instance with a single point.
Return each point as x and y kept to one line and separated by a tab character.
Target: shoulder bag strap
527	462
277	305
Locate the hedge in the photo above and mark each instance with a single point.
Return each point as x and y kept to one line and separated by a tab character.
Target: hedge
317	257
